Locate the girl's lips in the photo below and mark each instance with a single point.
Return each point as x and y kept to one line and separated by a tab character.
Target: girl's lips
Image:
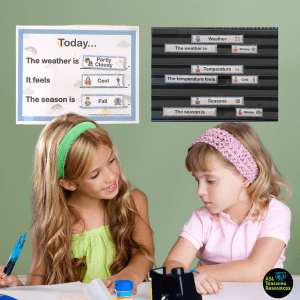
111	188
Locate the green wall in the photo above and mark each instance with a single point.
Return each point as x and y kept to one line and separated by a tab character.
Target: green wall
152	154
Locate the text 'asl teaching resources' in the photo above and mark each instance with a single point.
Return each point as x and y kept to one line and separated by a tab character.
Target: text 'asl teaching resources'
57	65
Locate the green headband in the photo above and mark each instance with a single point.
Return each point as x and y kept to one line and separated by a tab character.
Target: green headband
66	144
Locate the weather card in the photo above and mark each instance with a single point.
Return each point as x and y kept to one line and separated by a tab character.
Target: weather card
89	70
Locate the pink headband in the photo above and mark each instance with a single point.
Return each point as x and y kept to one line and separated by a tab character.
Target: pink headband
231	149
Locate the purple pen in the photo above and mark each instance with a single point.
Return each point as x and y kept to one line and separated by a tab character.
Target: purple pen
14	255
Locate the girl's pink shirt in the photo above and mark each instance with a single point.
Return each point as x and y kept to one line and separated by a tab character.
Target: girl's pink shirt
232	242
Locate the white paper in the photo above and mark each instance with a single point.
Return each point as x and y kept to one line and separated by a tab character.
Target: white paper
67	291
64	291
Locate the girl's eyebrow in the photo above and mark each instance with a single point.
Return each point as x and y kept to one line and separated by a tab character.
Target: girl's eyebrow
111	154
205	174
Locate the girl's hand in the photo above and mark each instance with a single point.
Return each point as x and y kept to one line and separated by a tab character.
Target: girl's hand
206	284
11	280
123	275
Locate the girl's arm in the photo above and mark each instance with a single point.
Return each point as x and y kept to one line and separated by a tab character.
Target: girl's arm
182	255
264	256
139	265
36	276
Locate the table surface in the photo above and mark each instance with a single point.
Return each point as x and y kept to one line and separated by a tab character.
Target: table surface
23	278
231	290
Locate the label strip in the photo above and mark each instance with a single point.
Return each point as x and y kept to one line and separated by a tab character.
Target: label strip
217	100
190	112
217	69
190	48
220	39
249	112
100	101
102	80
191	79
103	62
246	79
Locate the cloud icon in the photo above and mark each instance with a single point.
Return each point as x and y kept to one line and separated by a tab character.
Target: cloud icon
56	107
78	83
28	91
123	44
31	49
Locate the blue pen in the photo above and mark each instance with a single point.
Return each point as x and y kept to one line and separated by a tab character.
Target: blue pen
14	255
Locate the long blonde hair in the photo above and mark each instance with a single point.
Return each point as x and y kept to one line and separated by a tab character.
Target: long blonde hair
268	180
54	217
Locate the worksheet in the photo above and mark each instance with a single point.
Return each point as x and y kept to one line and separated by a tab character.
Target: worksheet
66	291
89	70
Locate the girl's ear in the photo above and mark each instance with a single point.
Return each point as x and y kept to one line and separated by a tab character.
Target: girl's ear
246	183
67	185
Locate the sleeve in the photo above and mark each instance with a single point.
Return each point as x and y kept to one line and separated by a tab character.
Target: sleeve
194	230
277	223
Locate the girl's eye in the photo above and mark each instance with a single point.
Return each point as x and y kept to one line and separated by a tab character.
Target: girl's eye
95	176
112	160
210	181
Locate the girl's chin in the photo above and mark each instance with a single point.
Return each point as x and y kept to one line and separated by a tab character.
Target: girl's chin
213	210
110	195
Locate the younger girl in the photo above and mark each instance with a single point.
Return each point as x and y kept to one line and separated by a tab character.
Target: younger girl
88	223
243	228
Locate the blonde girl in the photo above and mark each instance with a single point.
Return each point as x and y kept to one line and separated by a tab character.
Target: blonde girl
243	228
88	223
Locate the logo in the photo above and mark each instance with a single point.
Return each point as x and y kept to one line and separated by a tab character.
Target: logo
278	283
280	276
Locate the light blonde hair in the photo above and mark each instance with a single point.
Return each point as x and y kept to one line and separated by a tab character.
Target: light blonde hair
54	217
268	180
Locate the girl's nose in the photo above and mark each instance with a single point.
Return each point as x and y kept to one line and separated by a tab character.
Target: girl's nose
110	175
201	189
